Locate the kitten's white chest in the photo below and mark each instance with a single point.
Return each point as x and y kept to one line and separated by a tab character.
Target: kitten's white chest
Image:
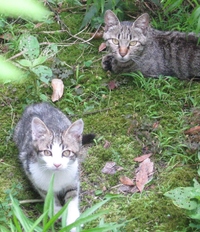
41	178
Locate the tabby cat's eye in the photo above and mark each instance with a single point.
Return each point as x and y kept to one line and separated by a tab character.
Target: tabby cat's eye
66	153
133	43
47	153
115	41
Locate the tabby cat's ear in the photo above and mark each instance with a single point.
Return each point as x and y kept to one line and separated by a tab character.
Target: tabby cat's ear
110	20
142	22
76	129
39	129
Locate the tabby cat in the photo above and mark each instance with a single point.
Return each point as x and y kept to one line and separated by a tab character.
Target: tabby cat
136	46
48	143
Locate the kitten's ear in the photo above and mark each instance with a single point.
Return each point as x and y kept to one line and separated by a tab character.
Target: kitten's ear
110	20
142	22
39	129
76	129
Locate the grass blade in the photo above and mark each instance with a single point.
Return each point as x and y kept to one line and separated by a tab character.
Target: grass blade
55	218
49	202
80	221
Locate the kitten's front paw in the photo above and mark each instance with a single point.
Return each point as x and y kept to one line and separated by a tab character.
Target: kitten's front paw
107	62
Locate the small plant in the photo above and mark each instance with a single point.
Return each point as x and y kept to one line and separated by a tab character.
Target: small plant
188	198
34	59
33	10
95	11
47	221
171	6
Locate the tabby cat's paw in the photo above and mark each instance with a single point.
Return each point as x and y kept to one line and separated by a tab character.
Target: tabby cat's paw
107	62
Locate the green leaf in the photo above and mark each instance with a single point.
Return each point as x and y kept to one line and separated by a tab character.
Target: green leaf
196	184
88	63
30	47
25	63
24	8
50	51
88	16
40	60
9	72
43	72
183	197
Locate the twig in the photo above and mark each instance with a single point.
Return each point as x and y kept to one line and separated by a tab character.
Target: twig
64	26
116	186
97	111
29	201
15	56
53	32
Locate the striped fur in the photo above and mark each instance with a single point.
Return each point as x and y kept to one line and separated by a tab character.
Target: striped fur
48	144
135	46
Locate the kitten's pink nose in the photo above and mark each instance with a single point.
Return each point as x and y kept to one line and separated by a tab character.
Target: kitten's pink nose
123	51
57	165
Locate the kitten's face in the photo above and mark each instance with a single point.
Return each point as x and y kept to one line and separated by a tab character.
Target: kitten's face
125	40
56	152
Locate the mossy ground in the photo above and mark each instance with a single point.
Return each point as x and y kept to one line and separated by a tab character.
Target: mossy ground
125	117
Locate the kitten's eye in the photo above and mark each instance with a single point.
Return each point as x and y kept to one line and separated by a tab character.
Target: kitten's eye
66	153
133	43
47	153
115	41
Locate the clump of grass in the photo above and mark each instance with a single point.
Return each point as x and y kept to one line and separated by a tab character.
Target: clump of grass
47	221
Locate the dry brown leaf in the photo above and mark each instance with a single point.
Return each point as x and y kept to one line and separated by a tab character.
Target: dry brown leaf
112	85
144	173
102	47
128	189
111	168
142	157
97	35
126	181
38	25
193	130
107	144
156	125
6	36
58	88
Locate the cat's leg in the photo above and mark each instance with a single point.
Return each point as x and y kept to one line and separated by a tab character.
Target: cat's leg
107	62
57	205
71	196
73	211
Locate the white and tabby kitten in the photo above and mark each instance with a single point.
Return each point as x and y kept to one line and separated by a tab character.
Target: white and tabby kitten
48	143
136	46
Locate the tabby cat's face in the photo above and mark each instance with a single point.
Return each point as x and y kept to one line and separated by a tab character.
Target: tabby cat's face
56	152
125	40
56	157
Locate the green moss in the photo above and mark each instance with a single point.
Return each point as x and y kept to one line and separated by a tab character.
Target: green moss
140	115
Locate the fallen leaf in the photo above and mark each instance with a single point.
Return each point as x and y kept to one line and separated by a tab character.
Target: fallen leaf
6	36
144	173
97	35
128	189
193	130
102	47
58	88
142	157
38	25
126	181
112	85
155	125
111	168
107	144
